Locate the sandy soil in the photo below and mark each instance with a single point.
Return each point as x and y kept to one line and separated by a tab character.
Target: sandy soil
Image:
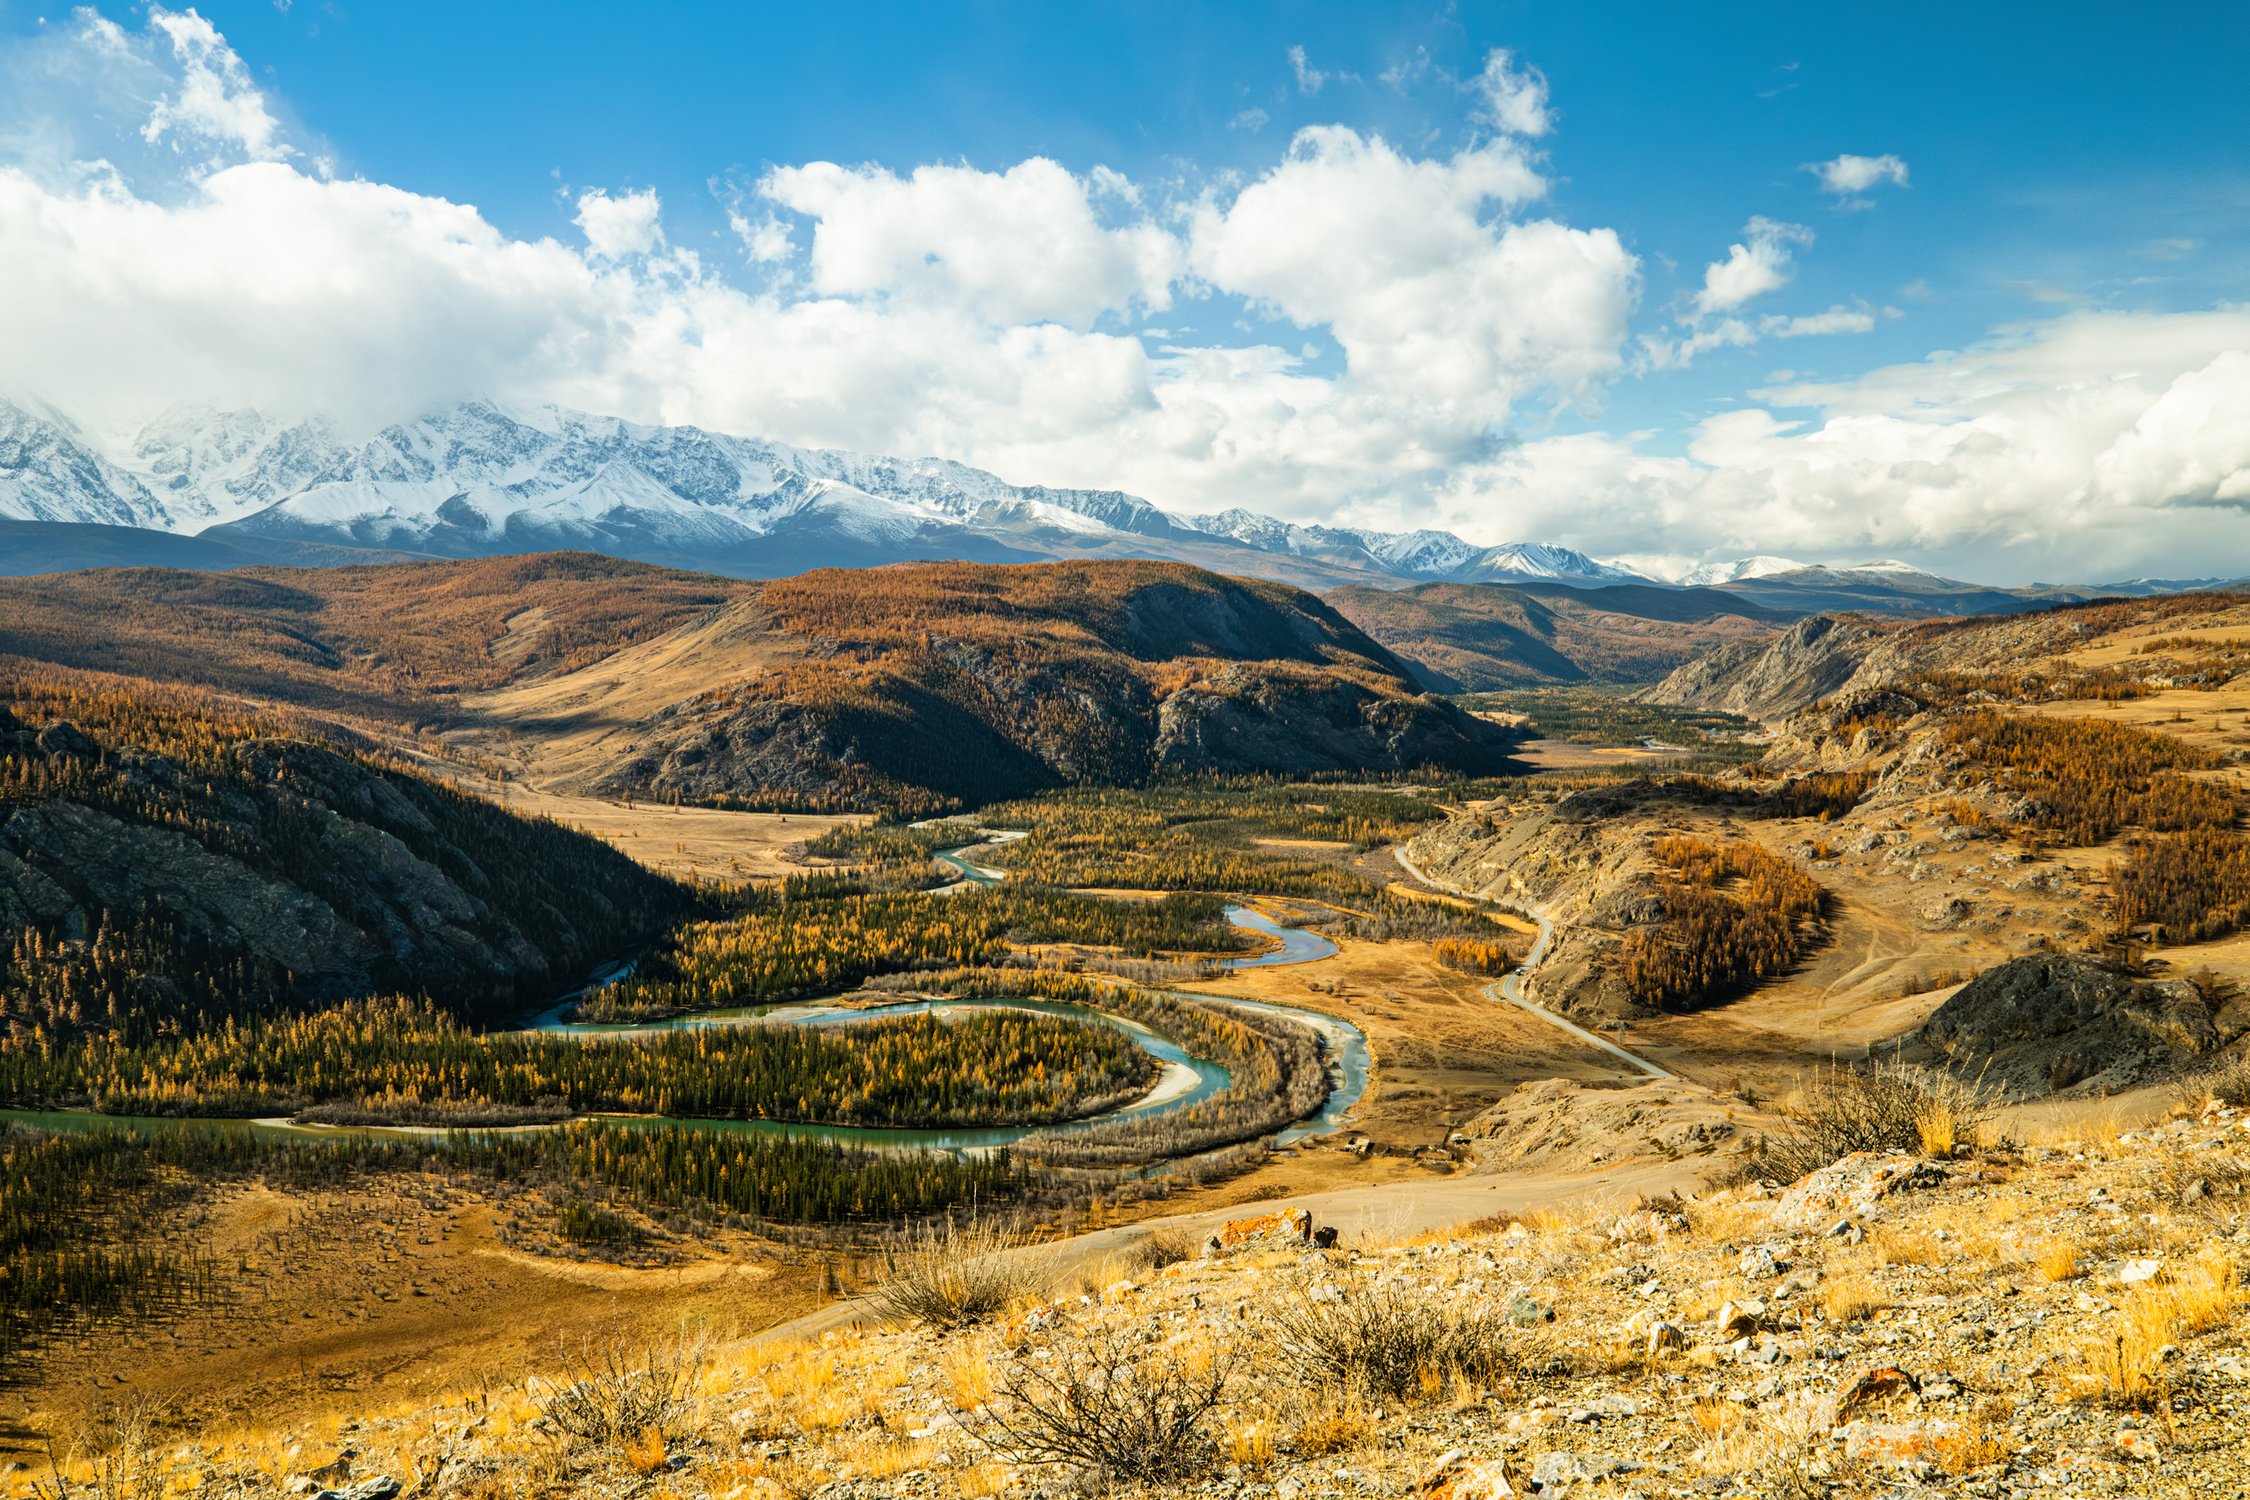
347	1302
690	842
1570	755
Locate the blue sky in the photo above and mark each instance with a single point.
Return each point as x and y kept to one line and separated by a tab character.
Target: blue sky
2007	338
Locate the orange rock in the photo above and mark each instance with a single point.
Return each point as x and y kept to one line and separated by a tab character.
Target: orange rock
1295	1226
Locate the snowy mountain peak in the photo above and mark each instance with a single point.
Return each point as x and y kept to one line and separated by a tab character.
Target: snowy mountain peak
49	471
1736	570
482	476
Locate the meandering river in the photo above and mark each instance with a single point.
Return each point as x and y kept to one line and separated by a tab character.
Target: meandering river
1182	1081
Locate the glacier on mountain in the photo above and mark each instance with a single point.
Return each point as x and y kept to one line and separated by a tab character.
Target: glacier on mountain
479	478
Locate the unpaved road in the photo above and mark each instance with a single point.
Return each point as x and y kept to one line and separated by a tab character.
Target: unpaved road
1510	988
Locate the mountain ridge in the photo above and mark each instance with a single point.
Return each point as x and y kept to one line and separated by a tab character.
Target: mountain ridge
480	479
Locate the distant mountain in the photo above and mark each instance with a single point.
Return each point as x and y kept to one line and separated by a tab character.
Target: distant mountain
1471	637
923	685
478	480
1705	574
1891	588
60	546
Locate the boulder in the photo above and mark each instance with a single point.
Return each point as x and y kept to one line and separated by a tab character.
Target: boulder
1853	1189
376	1487
2052	1021
1292	1227
1456	1476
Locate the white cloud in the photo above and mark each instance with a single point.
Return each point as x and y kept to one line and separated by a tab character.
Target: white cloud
215	103
1835	320
1848	176
1311	80
1024	245
1755	265
627	224
1402	259
1514	99
955	312
1252	119
2090	447
765	239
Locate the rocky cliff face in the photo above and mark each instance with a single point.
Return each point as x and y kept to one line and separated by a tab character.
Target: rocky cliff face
2066	1023
1771	680
309	872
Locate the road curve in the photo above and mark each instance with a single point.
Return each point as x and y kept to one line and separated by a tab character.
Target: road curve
1510	987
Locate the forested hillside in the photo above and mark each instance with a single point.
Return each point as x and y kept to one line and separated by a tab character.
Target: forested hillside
166	860
1477	637
918	686
921	686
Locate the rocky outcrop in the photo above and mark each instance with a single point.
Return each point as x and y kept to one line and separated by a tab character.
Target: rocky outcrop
2066	1023
1772	680
326	874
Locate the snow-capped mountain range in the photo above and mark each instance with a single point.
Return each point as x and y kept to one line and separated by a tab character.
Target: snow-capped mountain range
478	479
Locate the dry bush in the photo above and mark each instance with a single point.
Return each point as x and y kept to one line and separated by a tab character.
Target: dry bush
2056	1260
614	1392
1892	1106
1775	1441
2228	1083
1387	1340
956	1275
1333	1429
1168	1247
1113	1404
121	1460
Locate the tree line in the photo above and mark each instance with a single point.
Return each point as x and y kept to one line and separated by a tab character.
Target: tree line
781	950
398	1061
1733	914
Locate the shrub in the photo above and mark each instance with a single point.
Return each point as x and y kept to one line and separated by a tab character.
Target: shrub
955	1275
1887	1107
1114	1404
1734	914
619	1394
1387	1340
590	1224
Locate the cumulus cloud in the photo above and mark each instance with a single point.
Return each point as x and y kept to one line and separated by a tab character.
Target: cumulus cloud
1756	264
1024	245
620	225
1847	177
1514	99
214	103
1426	289
2086	447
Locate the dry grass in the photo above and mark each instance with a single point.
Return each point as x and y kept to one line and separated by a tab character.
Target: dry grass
1342	1428
1889	1246
1851	1298
1890	1106
960	1274
2056	1260
2124	1366
1249	1445
1965	1446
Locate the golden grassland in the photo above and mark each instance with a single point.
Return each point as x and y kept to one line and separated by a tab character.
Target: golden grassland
1382	1354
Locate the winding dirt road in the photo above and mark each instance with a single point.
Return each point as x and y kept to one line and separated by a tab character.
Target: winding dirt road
1510	988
